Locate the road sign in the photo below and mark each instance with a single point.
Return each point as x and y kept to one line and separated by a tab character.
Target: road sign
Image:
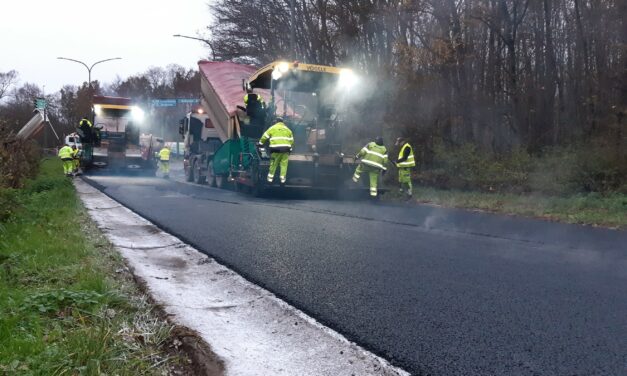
188	100
173	102
40	103
163	102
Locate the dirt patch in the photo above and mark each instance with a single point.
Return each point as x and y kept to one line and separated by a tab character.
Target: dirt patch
204	361
174	263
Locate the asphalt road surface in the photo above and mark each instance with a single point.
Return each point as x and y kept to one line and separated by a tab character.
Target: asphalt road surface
436	291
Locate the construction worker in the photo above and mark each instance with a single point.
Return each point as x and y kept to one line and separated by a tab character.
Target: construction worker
164	161
65	153
373	159
87	130
255	108
85	123
405	163
281	143
253	100
75	159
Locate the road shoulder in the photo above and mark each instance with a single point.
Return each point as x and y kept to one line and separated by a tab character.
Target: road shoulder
247	327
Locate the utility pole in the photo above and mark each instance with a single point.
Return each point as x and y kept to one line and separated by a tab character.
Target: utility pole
89	68
207	42
45	119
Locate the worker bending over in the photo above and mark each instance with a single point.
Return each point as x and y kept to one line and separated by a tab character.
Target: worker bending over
373	159
281	142
164	161
405	163
65	153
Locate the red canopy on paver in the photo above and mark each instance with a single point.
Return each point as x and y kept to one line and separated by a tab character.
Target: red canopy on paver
225	78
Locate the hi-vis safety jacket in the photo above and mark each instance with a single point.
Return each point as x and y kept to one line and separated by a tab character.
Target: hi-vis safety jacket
374	155
164	154
65	153
85	121
280	136
406	157
254	97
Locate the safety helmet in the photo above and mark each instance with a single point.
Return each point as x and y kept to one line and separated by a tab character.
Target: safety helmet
278	119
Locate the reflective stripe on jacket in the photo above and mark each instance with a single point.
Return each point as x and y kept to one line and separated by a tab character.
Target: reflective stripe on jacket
164	154
65	152
280	137
409	162
374	155
85	121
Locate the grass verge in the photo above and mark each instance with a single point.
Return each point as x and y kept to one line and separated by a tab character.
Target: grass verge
590	209
68	306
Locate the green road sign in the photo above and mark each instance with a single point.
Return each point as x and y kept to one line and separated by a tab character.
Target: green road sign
40	103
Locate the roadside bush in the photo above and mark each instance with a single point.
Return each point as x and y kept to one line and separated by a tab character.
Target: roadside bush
19	160
580	169
469	168
557	171
554	172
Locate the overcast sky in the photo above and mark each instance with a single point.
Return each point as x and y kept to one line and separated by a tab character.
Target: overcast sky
34	32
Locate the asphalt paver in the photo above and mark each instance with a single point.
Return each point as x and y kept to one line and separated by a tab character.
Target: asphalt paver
436	291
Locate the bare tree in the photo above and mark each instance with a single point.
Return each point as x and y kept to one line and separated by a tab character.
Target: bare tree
7	79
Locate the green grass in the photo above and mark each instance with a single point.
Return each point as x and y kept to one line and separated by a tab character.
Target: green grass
61	312
592	209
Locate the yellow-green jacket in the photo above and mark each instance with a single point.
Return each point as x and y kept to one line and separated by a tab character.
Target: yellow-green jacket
65	153
406	157
280	137
164	154
374	155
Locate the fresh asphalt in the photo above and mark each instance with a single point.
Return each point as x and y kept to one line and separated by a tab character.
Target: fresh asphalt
436	291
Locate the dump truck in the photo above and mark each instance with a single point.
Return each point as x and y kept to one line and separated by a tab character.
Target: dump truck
200	142
116	140
307	98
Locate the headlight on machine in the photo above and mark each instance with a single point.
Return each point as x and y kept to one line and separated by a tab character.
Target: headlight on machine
284	67
137	114
347	79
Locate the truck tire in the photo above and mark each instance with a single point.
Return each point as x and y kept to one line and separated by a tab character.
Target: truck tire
211	178
196	168
221	181
189	172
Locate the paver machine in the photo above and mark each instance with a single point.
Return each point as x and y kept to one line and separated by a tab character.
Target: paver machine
308	97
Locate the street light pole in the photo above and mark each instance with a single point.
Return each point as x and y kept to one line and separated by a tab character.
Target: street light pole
89	68
213	52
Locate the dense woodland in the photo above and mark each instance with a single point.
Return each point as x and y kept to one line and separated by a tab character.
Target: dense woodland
487	76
